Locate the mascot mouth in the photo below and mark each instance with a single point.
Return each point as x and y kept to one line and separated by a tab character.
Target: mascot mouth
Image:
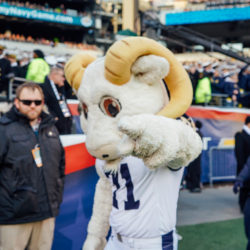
110	152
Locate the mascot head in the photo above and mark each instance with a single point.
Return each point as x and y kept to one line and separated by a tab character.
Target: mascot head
131	79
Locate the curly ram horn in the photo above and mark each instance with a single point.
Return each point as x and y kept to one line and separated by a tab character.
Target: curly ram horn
75	67
122	54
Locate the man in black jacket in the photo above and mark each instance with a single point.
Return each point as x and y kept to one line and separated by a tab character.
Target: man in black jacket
55	98
5	74
244	177
194	168
242	152
31	173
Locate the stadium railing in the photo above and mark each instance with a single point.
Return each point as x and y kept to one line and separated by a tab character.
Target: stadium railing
222	164
219	100
13	84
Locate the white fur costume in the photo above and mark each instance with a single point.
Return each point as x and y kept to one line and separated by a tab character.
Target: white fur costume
119	121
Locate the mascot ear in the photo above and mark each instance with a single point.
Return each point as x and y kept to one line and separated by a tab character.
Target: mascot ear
121	56
75	67
150	69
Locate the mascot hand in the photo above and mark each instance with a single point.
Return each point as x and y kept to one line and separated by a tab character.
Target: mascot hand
161	141
139	129
94	243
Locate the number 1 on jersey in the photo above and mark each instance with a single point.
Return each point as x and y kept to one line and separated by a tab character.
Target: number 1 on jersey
130	203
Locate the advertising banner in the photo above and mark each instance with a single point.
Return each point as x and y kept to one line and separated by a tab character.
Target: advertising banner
21	12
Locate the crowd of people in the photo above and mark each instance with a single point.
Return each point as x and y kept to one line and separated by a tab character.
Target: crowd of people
215	82
226	81
218	4
49	74
10	36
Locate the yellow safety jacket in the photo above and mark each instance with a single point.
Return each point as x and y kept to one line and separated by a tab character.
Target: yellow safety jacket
203	91
37	70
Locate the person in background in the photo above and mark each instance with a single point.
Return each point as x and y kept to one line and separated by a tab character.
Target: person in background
244	78
217	82
61	61
32	174
203	91
14	64
23	65
193	174
56	99
244	177
38	68
5	73
2	48
194	77
242	152
244	100
231	87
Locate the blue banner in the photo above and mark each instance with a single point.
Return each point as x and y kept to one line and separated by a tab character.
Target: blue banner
21	12
76	210
208	16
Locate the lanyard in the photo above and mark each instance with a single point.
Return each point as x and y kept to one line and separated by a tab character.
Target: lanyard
62	103
55	90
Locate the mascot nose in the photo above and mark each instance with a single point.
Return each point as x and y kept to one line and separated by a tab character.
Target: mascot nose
105	156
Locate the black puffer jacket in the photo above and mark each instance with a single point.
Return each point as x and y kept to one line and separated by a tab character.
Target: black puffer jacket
29	193
244	174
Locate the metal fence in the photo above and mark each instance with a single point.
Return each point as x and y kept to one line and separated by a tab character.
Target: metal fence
13	84
221	100
222	164
11	93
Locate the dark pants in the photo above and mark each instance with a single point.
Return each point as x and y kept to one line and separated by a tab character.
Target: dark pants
243	196
4	86
194	174
247	221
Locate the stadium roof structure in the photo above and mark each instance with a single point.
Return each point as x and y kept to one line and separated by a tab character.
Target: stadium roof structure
227	25
126	32
208	16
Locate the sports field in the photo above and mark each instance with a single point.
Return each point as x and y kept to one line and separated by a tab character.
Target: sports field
225	235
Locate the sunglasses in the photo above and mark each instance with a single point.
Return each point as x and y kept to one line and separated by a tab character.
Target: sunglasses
29	102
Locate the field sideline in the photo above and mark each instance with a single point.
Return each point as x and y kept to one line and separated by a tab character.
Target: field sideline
224	235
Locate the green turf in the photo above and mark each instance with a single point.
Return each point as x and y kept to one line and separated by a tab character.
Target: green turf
225	235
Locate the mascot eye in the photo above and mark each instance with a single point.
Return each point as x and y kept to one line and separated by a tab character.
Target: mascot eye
85	110
110	106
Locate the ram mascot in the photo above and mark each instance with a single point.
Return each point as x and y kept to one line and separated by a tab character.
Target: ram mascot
132	101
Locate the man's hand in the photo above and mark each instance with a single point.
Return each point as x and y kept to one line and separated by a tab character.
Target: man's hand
237	185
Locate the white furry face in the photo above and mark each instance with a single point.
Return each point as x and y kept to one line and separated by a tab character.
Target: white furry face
104	104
